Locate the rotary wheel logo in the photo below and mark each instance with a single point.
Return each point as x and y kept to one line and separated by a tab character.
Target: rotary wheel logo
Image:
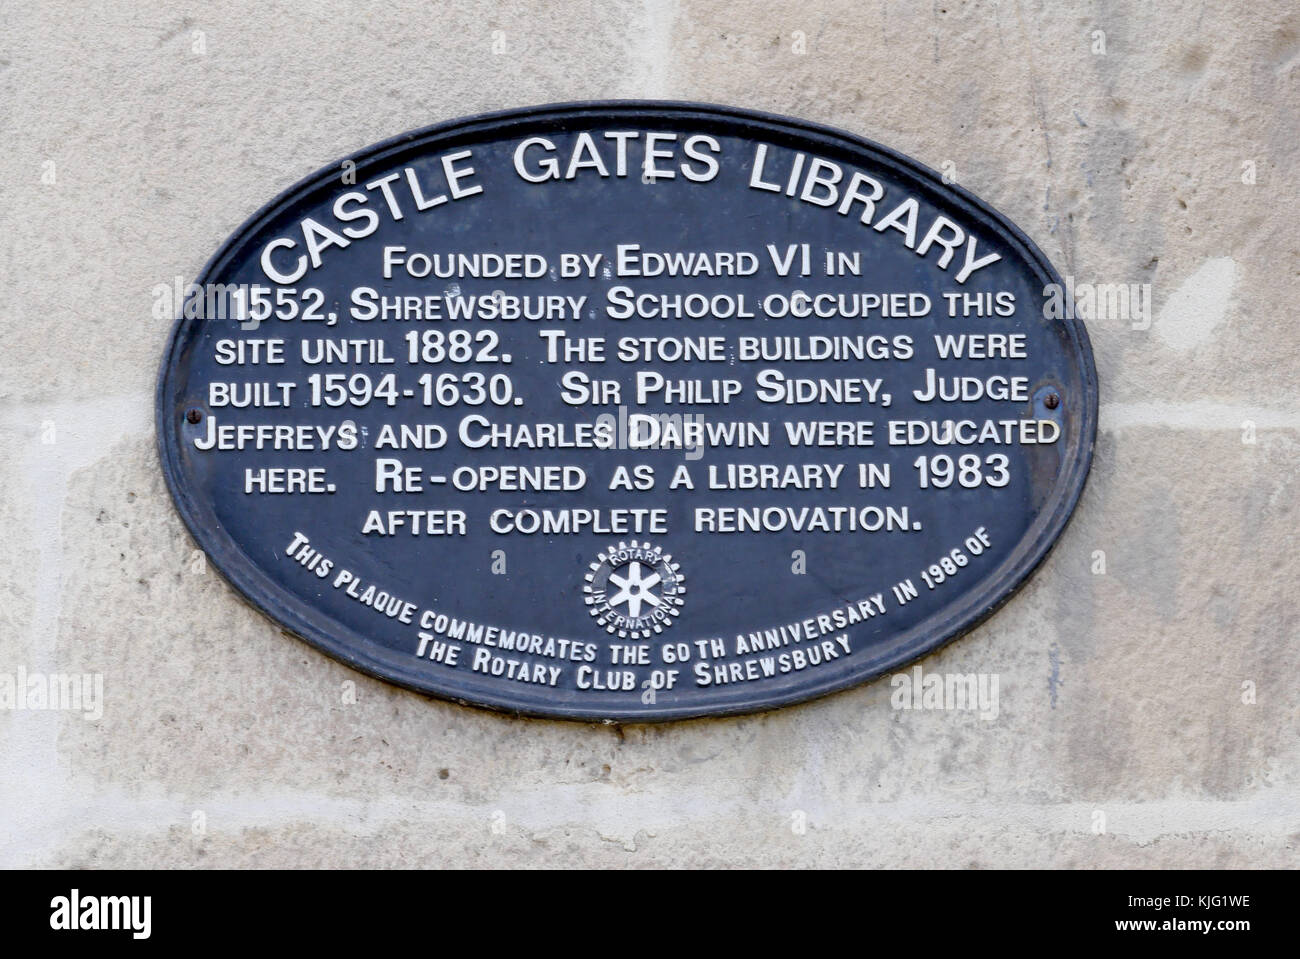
635	589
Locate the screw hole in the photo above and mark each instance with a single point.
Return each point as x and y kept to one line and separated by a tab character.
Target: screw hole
1052	401
194	416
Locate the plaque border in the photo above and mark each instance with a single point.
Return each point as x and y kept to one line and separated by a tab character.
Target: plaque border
322	632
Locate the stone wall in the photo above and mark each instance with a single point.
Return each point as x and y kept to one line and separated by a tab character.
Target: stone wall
1148	708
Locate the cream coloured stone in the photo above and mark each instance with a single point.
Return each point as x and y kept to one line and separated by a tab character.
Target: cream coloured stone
225	742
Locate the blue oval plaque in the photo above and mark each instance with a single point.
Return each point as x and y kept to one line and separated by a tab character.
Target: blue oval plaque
626	411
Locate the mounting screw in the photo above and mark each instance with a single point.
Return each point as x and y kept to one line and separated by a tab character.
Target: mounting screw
1052	400
194	416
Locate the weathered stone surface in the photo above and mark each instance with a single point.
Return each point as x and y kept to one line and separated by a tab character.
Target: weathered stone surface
225	743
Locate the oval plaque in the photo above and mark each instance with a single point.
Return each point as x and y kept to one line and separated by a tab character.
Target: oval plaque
626	411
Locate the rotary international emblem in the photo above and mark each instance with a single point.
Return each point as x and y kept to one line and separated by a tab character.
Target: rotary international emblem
634	589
